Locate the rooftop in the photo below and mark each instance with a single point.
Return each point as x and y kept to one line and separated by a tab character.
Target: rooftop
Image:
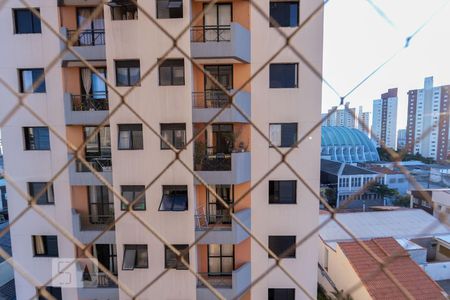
409	223
408	274
334	167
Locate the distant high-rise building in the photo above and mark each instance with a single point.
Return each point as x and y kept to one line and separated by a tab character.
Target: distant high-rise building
401	139
341	117
363	120
384	119
428	115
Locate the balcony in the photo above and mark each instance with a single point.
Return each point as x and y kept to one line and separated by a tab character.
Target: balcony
220	44
79	174
206	105
87	227
90	45
85	109
229	286
223	168
223	230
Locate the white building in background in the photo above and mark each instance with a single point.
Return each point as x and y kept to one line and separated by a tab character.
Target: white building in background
428	120
384	119
341	117
363	120
401	139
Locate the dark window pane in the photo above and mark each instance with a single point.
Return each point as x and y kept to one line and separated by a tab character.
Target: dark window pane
169	9
171	72
174	198
130	137
131	193
172	261
282	192
36	138
45	245
54	291
135	256
281	294
29	78
127	72
26	22
284	13
36	188
283	75
175	134
280	244
288	134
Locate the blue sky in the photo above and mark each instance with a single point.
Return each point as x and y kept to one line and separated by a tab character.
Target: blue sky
357	39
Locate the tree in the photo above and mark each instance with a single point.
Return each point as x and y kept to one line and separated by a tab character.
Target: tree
403	201
383	190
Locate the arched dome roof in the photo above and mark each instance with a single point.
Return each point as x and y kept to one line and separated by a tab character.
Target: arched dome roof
350	140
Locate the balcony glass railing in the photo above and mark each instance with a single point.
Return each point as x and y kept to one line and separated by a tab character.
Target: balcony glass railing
217	280
92	102
211	33
210	99
89	37
216	221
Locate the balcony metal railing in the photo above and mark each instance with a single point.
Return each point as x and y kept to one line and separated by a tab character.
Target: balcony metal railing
95	222
218	221
91	102
210	99
211	33
89	37
100	164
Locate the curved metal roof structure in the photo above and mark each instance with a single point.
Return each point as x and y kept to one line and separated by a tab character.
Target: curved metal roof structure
348	145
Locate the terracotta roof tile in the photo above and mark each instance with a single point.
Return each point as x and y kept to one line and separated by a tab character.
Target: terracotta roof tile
403	268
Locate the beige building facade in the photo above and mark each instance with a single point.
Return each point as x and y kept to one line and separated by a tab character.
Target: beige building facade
231	42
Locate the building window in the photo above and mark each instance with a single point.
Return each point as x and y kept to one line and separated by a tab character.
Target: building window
29	78
130	137
282	192
26	22
169	9
283	134
175	134
131	193
284	14
128	72
173	261
36	138
123	10
171	72
45	245
283	75
38	188
54	291
135	257
281	294
174	198
282	245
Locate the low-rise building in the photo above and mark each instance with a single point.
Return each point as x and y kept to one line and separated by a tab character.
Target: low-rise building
393	178
408	231
348	180
434	201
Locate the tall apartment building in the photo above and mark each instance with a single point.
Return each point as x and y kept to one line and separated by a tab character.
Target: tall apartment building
363	120
401	139
341	117
231	42
384	119
428	116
